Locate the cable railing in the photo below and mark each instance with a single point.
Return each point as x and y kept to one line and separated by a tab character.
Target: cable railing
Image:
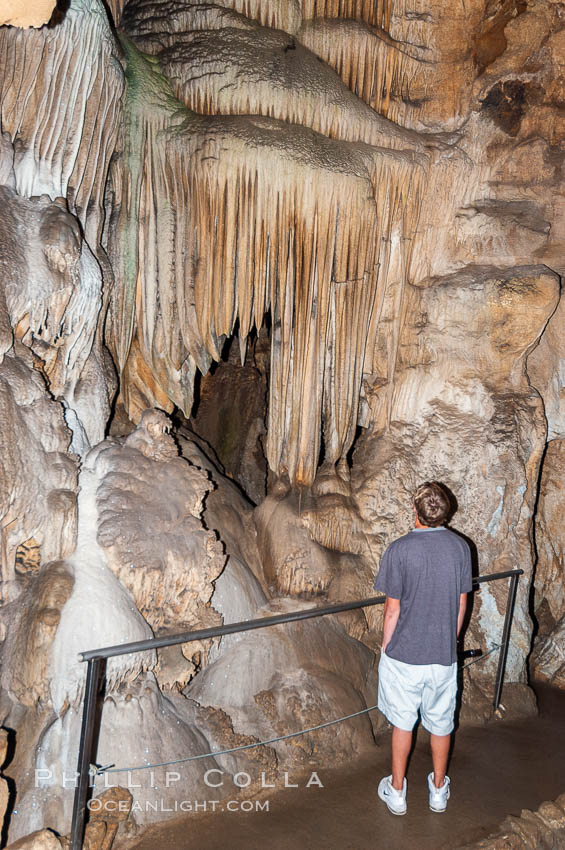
96	661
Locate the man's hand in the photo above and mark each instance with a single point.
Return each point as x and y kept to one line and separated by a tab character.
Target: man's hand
391	615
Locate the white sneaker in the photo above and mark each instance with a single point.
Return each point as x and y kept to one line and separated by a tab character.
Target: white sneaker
395	800
438	796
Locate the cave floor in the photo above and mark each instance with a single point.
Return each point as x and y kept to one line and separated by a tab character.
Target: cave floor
497	769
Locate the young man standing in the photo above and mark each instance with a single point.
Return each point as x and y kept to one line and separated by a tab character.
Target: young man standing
425	575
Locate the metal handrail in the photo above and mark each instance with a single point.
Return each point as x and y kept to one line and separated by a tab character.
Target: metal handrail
229	629
248	625
96	660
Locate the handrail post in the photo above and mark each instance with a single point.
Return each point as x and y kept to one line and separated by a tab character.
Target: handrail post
87	733
505	639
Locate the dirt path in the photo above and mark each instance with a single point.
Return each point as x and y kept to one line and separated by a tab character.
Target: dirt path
496	770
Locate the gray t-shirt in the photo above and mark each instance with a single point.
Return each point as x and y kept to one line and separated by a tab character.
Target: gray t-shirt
427	569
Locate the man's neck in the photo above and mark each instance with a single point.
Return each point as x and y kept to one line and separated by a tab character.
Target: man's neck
418	524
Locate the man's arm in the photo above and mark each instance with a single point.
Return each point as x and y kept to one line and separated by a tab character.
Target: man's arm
391	615
462	609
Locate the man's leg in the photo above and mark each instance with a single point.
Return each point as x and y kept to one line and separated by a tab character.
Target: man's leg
401	744
440	745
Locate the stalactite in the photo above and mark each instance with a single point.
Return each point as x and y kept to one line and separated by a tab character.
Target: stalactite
272	217
279	14
150	17
265	72
375	12
116	8
285	15
376	68
60	97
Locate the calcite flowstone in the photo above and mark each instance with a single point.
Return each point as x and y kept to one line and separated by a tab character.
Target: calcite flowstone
51	291
472	422
144	558
478	196
150	503
29	643
325	298
226	510
292	562
298	536
290	677
59	110
38	496
62	102
139	726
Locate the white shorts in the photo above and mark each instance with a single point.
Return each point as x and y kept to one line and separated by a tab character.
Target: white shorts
405	689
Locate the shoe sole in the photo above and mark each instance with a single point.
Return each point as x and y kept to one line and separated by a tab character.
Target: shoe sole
438	811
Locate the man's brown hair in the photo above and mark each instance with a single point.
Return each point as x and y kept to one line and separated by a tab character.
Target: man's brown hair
432	504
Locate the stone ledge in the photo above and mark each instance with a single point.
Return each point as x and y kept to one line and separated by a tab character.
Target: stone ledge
541	830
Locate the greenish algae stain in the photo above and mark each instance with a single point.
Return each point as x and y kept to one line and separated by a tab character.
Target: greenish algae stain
149	101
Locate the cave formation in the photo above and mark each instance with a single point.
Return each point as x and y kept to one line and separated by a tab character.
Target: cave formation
266	266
